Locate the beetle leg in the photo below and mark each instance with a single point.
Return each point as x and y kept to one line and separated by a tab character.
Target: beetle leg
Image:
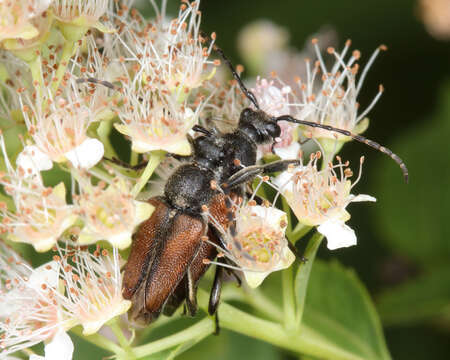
191	290
217	323
214	297
216	289
125	164
246	174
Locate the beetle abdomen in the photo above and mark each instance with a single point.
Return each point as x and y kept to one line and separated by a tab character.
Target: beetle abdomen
163	248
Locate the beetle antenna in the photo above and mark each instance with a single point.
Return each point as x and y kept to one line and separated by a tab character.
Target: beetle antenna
244	89
98	82
356	137
236	76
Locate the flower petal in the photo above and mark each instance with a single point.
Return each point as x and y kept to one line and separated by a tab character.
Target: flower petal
362	197
288	152
338	234
121	240
60	348
87	154
255	278
143	211
275	218
91	327
32	160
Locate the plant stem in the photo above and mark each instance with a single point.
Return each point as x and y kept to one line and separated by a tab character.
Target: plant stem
103	132
100	341
299	231
155	158
200	330
287	210
163	320
303	273
264	305
68	50
123	341
134	158
288	299
36	74
307	342
256	299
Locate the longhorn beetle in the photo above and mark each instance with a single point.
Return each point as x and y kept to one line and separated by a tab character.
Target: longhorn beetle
168	254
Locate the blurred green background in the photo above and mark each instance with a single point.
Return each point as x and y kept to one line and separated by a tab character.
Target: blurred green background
404	239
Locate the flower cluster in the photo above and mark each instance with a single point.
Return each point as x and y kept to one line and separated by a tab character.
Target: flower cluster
76	287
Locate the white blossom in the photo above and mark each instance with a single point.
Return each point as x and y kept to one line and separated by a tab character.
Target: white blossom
109	212
155	121
16	18
41	213
256	243
31	307
329	96
58	125
93	286
320	197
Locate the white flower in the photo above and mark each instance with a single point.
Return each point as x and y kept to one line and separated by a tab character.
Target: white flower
31	309
41	213
171	54
329	96
58	126
155	120
93	287
259	246
320	197
16	18
109	214
60	348
272	96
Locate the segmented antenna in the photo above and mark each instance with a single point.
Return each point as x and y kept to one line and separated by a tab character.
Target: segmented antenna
356	137
98	82
244	89
235	74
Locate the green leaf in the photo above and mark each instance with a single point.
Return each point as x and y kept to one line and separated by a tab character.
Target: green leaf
339	309
230	345
426	297
413	218
303	274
